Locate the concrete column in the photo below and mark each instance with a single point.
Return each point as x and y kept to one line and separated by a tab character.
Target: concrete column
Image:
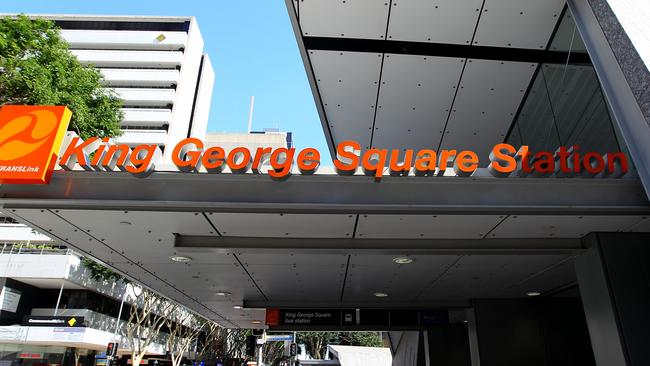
532	331
614	279
404	347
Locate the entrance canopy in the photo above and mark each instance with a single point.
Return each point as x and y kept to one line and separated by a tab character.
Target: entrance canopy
391	75
452	75
327	241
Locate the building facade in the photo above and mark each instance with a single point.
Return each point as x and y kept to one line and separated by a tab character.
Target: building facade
156	65
42	282
252	140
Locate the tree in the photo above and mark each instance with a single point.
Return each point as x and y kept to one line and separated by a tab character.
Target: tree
272	352
146	318
220	344
99	272
37	68
316	342
363	339
184	329
212	344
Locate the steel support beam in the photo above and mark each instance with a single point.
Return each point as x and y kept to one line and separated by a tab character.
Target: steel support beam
230	244
175	191
616	63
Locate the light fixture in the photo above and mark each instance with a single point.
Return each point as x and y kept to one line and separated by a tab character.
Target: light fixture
180	258
237	307
533	293
256	322
403	260
380	294
125	223
223	293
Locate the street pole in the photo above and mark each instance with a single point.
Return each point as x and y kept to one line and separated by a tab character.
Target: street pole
295	340
119	314
58	300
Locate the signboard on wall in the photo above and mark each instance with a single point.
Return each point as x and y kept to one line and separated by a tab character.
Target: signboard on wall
54	321
9	299
31	138
287	319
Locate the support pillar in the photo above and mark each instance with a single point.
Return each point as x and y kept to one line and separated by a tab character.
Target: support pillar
531	331
614	280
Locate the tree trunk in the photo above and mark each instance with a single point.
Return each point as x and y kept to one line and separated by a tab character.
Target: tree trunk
136	358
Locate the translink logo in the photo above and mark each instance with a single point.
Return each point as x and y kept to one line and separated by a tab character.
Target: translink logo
30	139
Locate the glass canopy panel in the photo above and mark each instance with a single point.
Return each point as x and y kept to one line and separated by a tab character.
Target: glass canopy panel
565	105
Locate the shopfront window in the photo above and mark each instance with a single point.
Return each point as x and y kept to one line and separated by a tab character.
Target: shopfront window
27	355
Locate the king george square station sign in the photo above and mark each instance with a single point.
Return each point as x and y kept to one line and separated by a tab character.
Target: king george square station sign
32	145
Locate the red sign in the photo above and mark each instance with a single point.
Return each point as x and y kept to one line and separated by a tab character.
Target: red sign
272	317
30	140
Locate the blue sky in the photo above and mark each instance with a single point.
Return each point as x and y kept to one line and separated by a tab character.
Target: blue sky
253	51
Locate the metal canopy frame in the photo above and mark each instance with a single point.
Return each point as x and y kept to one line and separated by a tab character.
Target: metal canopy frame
316	194
195	192
611	72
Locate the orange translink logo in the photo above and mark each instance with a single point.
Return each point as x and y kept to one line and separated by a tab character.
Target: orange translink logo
30	140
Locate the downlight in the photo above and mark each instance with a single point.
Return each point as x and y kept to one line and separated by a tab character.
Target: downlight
403	260
380	294
533	293
223	293
180	258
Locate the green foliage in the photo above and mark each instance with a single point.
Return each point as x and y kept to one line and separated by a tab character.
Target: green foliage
37	68
273	353
364	339
99	272
316	342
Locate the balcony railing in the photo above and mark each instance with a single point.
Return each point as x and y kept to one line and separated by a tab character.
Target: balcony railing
129	59
120	39
26	248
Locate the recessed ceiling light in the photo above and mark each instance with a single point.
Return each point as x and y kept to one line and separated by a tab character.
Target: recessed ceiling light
256	322
223	293
403	260
380	294
125	223
237	307
180	258
533	293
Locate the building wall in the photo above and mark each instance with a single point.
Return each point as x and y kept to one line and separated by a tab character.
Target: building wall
542	332
633	16
185	91
203	100
156	65
30	297
251	141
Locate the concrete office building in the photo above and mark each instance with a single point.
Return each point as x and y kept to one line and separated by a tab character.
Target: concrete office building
42	281
251	140
538	269
155	64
